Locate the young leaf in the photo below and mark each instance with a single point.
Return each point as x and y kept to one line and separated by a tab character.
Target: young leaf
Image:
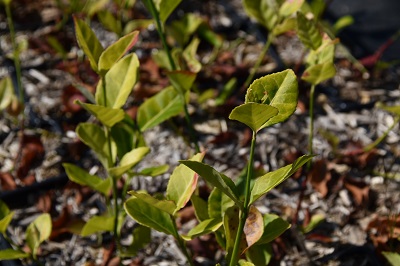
128	161
189	54
166	8
38	231
181	80
254	115
98	224
200	208
119	82
217	179
155	170
278	90
290	7
5	217
285	26
11	254
181	30
318	73
94	136
264	11
164	205
116	51
314	222
80	176
107	116
260	254
182	183
308	32
88	42
203	228
254	226
270	180
274	226
218	203
162	106
324	54
6	92
392	257
148	215
109	21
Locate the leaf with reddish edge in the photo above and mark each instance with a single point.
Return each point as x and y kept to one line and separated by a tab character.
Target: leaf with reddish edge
182	183
116	51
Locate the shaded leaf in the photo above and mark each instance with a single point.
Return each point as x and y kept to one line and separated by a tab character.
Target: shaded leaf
164	205
308	32
260	254
274	226
88	42
155	170
148	215
181	30
200	208
141	237
231	224
392	257
270	180
182	183
80	176
98	224
393	109
5	217
318	73
166	8
181	80
116	51
285	26
128	161
314	222
254	226
162	106
189	54
324	54
278	90
245	263
38	231
11	254
265	12
217	179
203	228
109	21
107	116
6	92
254	115
119	82
218	203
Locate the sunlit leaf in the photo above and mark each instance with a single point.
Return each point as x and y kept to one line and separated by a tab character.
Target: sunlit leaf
274	226
155	170
11	254
324	54
264	11
278	90
166	8
107	116
270	180
38	231
98	224
6	92
148	215
342	23
392	257
285	26
318	73
129	160
80	176
393	109
119	82
164	205
162	106
189	54
314	222
308	32
181	80
217	179
88	42
182	183
245	263
137	24
290	7
203	228
254	115
116	51
5	217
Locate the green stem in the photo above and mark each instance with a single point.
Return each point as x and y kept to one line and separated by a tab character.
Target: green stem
311	128
259	61
17	63
384	135
190	126
181	242
244	212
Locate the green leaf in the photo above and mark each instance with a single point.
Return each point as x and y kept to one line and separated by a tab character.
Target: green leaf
342	23
83	89
290	7
308	32
38	231
274	226
181	80
189	54
242	262
141	237
166	8
148	215
128	161
6	92
80	176
107	116
265	183
285	26
392	257
116	51
109	21
392	109
94	136
260	254
137	24
200	208
88	42
155	170
314	222
203	228
182	183
162	106
278	90
218	203
163	205
217	179
119	82
254	115
318	73
11	254
5	217
181	30
264	11
98	224
324	54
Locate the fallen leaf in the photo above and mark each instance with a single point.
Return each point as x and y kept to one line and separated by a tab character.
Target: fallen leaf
359	190
7	181
319	177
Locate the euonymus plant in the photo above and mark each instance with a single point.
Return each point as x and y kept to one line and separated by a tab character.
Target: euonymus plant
230	211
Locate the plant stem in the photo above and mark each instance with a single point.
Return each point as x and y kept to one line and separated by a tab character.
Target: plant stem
311	128
181	242
384	135
259	61
244	212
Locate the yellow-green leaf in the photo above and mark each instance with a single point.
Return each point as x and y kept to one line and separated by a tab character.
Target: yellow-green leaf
11	254
203	228
38	231
308	32
6	92
98	224
318	73
254	115
128	161
107	116
164	205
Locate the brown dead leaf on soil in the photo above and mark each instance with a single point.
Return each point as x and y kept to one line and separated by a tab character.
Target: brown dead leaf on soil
359	189
320	176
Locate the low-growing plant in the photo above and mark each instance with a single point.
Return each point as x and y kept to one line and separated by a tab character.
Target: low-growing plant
229	212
